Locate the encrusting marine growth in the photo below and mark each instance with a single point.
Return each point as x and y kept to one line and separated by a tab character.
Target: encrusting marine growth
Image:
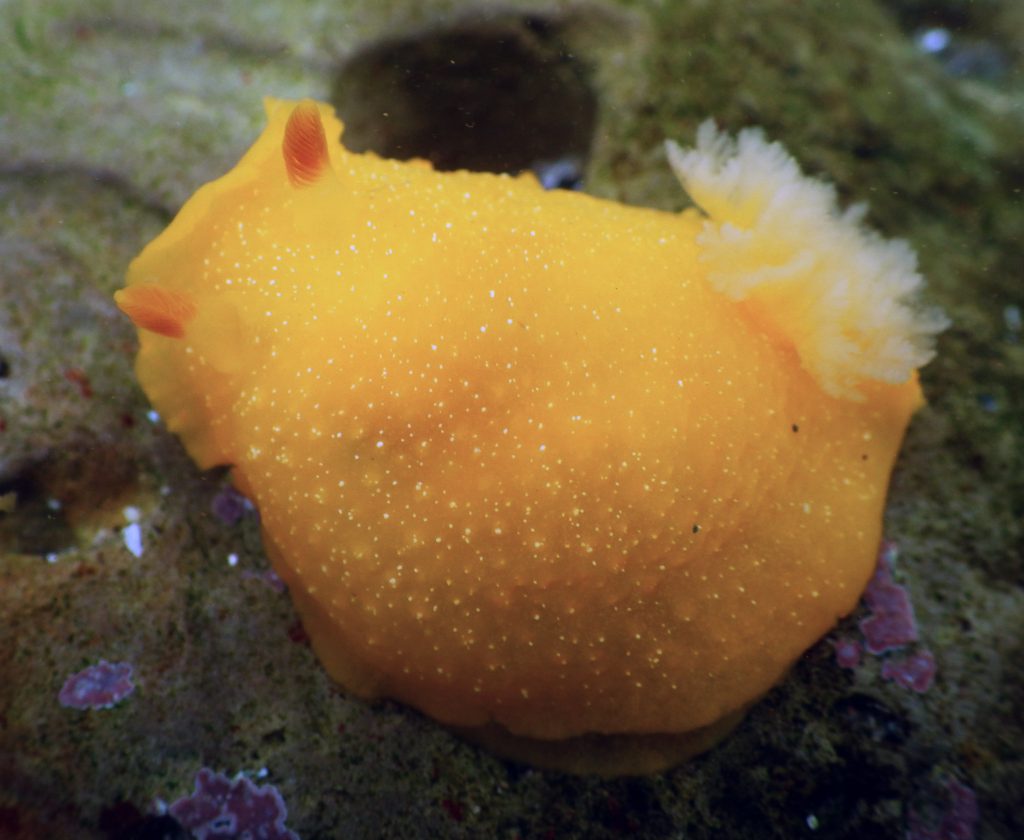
578	479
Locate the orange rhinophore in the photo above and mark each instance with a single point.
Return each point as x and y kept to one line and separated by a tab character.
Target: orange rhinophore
161	311
305	145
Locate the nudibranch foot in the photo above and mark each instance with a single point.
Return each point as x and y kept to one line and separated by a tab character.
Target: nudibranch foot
608	756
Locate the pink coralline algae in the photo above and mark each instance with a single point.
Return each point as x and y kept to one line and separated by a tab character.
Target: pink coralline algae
100	686
221	808
891	623
848	652
916	671
890	626
229	505
959	821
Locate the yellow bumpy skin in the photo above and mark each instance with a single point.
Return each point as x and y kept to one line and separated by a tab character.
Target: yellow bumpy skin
579	479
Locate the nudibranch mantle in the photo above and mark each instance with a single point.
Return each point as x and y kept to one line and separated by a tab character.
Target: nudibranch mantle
578	478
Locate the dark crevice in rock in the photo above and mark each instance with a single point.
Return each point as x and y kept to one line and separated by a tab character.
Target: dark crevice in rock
495	94
52	494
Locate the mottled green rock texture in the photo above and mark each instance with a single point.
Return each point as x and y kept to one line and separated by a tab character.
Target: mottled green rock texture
113	112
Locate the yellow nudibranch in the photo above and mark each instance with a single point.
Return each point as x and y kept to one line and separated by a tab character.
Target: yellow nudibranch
578	479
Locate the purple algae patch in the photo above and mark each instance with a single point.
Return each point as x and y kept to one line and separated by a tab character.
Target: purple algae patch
959	820
891	623
890	626
229	505
100	686
269	578
916	672
848	652
221	808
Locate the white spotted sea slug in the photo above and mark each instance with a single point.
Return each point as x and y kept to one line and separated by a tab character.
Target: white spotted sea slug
578	479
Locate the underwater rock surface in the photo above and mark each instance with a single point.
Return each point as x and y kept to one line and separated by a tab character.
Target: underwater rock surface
115	548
